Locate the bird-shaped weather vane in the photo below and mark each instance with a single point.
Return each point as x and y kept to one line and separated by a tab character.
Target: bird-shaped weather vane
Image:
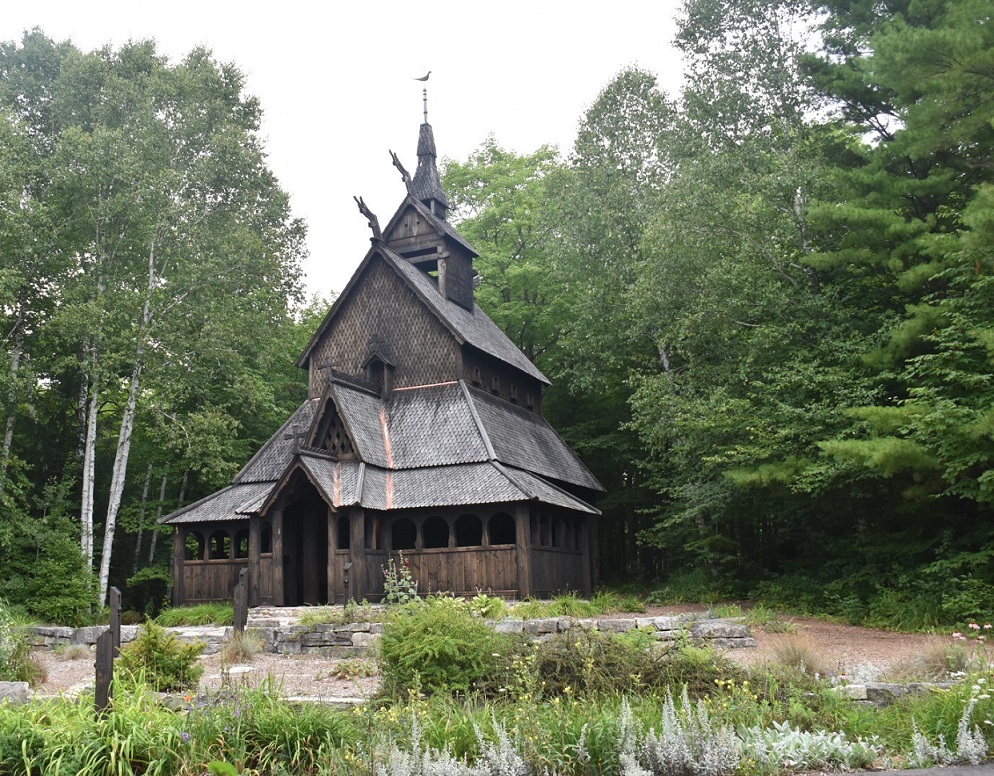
424	77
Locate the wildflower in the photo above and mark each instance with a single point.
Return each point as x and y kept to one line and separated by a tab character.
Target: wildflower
957	635
974	626
185	736
987	626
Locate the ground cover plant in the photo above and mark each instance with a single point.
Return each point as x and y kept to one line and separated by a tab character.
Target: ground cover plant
198	614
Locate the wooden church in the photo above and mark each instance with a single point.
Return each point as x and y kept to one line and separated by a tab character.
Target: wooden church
423	434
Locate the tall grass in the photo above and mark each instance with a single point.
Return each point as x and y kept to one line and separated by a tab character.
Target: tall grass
219	614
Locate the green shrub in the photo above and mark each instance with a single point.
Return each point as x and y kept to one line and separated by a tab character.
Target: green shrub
16	662
436	645
198	614
166	663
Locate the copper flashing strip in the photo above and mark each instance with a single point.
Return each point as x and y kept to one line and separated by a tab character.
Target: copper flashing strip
386	436
431	385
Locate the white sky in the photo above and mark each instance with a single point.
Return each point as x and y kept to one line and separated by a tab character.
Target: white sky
336	83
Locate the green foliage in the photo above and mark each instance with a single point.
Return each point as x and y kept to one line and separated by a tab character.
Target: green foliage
352	611
436	645
16	663
197	614
399	585
160	659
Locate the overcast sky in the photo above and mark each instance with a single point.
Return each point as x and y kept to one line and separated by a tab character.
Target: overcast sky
336	83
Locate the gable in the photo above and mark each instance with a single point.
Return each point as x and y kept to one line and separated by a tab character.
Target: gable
380	314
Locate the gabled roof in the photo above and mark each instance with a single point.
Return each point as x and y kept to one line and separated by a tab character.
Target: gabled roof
231	503
443	228
473	327
271	460
353	483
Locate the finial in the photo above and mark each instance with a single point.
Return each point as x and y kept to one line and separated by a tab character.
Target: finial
374	222
424	96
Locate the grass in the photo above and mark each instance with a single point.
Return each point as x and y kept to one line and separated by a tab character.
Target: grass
200	614
343	615
242	647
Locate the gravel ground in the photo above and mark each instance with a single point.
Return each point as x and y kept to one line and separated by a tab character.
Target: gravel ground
859	652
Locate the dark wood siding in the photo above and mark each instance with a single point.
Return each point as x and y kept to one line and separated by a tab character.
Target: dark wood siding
211	580
382	315
493	376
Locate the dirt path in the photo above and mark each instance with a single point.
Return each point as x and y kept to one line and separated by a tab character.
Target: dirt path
842	648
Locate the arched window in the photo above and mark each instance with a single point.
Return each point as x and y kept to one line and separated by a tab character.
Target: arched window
435	533
266	539
241	543
195	546
403	534
219	545
469	531
501	529
343	528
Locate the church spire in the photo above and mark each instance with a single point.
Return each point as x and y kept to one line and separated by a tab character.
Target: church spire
427	186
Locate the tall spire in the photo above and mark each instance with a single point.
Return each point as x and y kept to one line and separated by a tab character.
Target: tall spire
427	186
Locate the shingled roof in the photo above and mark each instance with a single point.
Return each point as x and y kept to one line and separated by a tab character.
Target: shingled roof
430	446
474	327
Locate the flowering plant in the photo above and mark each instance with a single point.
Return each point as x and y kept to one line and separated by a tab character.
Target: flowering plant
399	585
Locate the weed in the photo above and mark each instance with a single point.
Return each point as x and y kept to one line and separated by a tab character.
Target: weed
399	585
242	647
354	668
797	651
73	652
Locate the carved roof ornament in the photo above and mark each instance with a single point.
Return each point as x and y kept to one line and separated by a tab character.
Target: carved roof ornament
374	222
427	185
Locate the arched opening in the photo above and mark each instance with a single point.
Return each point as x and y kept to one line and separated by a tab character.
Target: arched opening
266	539
435	533
501	529
469	531
403	534
241	543
195	546
219	546
343	533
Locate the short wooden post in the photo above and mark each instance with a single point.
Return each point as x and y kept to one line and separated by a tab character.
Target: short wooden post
115	619
241	601
105	670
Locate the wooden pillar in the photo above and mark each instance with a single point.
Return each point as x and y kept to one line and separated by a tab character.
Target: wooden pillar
179	554
357	543
333	583
523	550
254	560
279	594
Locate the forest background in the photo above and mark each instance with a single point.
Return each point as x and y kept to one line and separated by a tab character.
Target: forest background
766	305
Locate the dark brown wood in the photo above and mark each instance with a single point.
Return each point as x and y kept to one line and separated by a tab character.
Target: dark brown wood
114	602
179	552
523	554
254	570
104	687
279	592
360	585
240	595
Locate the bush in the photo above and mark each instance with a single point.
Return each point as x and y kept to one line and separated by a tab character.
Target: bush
16	661
198	614
438	646
166	663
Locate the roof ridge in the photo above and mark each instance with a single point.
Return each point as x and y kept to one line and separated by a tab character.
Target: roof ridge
513	480
479	423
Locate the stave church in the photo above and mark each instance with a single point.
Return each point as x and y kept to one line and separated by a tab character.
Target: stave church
422	434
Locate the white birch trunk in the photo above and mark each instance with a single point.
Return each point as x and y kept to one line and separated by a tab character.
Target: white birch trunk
89	470
117	479
8	433
120	471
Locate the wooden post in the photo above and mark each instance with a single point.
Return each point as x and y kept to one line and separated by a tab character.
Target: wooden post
309	564
279	594
115	619
523	550
331	592
241	601
179	553
357	543
254	561
105	671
